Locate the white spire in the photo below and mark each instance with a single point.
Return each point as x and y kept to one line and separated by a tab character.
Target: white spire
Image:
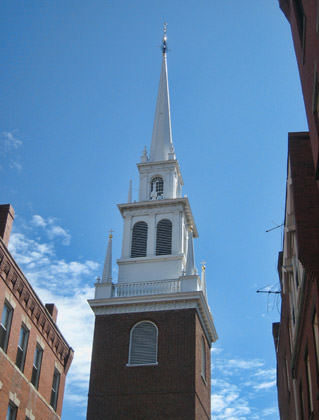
129	196
162	144
203	277
107	270
190	262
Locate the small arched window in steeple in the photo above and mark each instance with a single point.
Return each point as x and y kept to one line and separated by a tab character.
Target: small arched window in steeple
157	188
164	237
139	240
143	344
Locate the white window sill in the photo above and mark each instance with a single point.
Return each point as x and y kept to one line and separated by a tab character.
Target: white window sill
142	364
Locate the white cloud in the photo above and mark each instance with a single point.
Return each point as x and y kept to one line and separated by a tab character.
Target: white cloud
13	164
58	231
51	228
10	141
38	221
237	383
265	385
9	145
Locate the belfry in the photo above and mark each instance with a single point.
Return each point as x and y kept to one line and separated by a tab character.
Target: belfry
153	326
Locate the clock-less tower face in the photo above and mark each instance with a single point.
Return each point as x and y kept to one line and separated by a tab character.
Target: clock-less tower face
153	326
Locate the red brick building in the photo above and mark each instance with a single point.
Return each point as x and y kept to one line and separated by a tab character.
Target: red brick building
153	327
34	356
297	335
303	17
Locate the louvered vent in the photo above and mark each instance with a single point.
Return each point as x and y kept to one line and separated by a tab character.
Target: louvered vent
164	237
143	344
139	240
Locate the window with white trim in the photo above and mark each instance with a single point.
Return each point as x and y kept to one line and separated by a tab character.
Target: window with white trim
12	411
139	240
37	360
55	389
5	325
22	347
143	344
164	237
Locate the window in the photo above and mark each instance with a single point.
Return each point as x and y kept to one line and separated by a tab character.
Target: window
36	366
139	240
203	364
12	412
309	384
301	20
287	375
22	347
316	337
5	325
157	188
164	237
315	98
55	389
301	402
143	344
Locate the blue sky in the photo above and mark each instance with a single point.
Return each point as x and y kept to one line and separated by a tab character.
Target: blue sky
78	90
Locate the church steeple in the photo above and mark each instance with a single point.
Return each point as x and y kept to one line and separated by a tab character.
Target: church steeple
153	328
162	144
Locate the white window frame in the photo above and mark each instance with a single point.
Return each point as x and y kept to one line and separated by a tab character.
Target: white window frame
55	389
36	367
130	345
5	324
22	346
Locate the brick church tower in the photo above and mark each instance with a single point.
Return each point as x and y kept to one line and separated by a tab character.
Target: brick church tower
153	327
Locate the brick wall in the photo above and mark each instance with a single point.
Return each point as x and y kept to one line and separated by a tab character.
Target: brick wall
29	310
168	391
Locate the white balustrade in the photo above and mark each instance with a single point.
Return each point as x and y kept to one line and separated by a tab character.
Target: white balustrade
156	287
146	288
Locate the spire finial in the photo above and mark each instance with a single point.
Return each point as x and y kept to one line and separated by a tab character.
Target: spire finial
164	45
107	269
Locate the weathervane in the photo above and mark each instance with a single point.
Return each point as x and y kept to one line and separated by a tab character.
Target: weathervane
164	46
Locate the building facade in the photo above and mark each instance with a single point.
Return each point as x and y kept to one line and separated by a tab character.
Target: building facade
153	327
303	17
34	356
297	335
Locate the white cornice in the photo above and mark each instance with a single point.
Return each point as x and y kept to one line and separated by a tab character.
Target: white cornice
164	302
143	166
154	258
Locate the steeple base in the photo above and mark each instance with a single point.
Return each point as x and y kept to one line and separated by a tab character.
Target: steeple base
173	389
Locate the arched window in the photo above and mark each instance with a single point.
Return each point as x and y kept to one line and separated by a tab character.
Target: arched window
139	240
143	344
164	237
203	361
157	188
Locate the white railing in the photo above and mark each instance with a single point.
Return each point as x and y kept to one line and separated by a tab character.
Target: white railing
146	288
158	287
